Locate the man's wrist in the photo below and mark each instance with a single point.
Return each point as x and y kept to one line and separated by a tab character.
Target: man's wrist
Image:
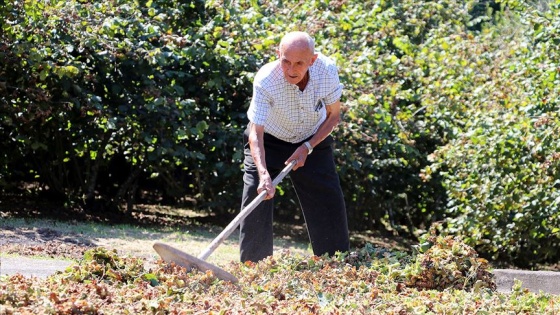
308	146
263	174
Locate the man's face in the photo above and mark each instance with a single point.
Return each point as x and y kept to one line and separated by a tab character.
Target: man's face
295	62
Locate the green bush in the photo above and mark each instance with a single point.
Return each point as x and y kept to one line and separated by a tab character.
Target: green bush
99	96
449	113
501	170
503	192
390	128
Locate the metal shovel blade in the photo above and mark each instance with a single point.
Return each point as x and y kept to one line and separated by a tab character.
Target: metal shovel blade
171	254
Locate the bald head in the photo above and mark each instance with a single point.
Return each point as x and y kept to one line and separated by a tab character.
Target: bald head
296	53
297	40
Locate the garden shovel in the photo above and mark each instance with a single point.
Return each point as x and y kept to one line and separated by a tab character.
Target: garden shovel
170	254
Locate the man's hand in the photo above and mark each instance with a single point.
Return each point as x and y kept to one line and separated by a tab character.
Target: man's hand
265	183
299	155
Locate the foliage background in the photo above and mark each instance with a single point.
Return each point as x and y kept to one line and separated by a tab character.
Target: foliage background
450	109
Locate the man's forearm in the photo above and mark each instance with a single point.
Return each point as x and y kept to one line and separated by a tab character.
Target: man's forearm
256	143
327	127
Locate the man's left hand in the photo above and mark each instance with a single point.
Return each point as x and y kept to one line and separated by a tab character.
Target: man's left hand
299	155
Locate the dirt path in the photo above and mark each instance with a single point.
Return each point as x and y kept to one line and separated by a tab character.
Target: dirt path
32	267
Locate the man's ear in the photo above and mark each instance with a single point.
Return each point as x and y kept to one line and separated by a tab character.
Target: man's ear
314	58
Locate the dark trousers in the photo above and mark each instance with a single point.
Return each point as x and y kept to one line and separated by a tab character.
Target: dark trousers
320	196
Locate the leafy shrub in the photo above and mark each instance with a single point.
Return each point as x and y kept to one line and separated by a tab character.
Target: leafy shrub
103	103
503	193
148	96
501	171
447	262
102	95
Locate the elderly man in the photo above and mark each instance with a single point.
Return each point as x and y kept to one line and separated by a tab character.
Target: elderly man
294	109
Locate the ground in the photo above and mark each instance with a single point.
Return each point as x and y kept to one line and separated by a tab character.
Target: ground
51	242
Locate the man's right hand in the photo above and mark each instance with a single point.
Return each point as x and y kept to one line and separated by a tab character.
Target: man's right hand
265	183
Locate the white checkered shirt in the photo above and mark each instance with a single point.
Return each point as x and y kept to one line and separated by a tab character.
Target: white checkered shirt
288	113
